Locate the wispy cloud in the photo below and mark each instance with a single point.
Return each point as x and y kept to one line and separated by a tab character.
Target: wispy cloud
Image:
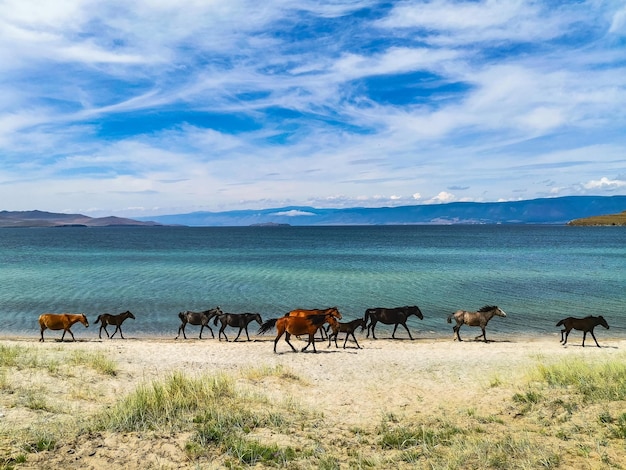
129	107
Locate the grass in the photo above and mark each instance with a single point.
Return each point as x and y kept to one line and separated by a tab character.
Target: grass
560	415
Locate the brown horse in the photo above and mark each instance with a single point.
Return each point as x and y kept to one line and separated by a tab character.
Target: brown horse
586	325
117	320
197	318
391	316
237	320
297	326
480	318
300	312
61	321
347	328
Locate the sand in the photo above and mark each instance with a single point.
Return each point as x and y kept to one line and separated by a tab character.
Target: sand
354	387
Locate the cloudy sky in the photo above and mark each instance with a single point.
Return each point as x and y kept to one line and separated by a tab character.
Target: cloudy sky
161	107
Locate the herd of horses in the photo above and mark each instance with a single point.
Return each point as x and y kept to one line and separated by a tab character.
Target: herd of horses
300	322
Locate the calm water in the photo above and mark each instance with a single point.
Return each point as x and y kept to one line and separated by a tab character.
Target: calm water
537	274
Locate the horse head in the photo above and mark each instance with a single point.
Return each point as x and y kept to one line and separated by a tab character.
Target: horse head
603	322
415	310
334	311
498	311
83	320
129	314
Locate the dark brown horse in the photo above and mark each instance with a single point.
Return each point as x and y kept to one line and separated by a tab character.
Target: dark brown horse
117	320
197	318
586	325
480	318
347	328
297	326
61	321
390	316
237	320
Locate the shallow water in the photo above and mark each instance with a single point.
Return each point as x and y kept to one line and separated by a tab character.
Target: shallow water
537	274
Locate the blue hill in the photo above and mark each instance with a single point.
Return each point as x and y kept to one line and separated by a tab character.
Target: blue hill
534	211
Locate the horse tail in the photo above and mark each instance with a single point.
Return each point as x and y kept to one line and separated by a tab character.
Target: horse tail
450	317
268	325
562	322
97	319
181	315
366	317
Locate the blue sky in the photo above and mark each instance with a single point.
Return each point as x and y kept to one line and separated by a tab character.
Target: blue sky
160	107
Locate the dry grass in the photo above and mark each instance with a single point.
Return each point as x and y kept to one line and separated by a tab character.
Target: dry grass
558	415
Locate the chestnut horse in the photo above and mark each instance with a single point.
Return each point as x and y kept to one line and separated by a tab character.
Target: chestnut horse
391	316
297	326
61	321
586	325
347	328
197	318
237	320
480	318
117	320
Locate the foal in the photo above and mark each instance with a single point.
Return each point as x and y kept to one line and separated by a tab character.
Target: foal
117	320
347	328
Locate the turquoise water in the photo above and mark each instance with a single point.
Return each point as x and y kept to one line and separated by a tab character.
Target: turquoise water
537	274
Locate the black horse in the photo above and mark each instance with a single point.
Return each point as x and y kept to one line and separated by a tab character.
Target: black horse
197	318
586	325
117	320
391	316
237	320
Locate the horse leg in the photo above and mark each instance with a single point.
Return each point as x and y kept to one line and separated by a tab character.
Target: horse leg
239	334
70	332
42	329
483	336
566	335
456	332
373	325
311	342
594	338
584	336
407	330
181	328
219	335
562	335
287	336
118	328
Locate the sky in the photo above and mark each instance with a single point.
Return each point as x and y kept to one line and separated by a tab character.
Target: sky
155	107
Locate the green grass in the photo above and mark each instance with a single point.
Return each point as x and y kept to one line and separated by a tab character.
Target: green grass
220	418
594	382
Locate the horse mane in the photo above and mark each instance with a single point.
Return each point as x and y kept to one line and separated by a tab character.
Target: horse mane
318	319
487	308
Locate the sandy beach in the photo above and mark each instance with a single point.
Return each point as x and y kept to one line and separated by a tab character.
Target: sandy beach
423	379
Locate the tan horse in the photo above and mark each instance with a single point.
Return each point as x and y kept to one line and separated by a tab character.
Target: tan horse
480	318
61	321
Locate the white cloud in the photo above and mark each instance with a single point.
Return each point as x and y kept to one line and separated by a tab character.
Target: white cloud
605	184
293	213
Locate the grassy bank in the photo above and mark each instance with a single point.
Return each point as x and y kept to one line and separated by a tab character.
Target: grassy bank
59	412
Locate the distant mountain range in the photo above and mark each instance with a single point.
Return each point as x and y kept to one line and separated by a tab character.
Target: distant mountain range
559	210
534	211
50	219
